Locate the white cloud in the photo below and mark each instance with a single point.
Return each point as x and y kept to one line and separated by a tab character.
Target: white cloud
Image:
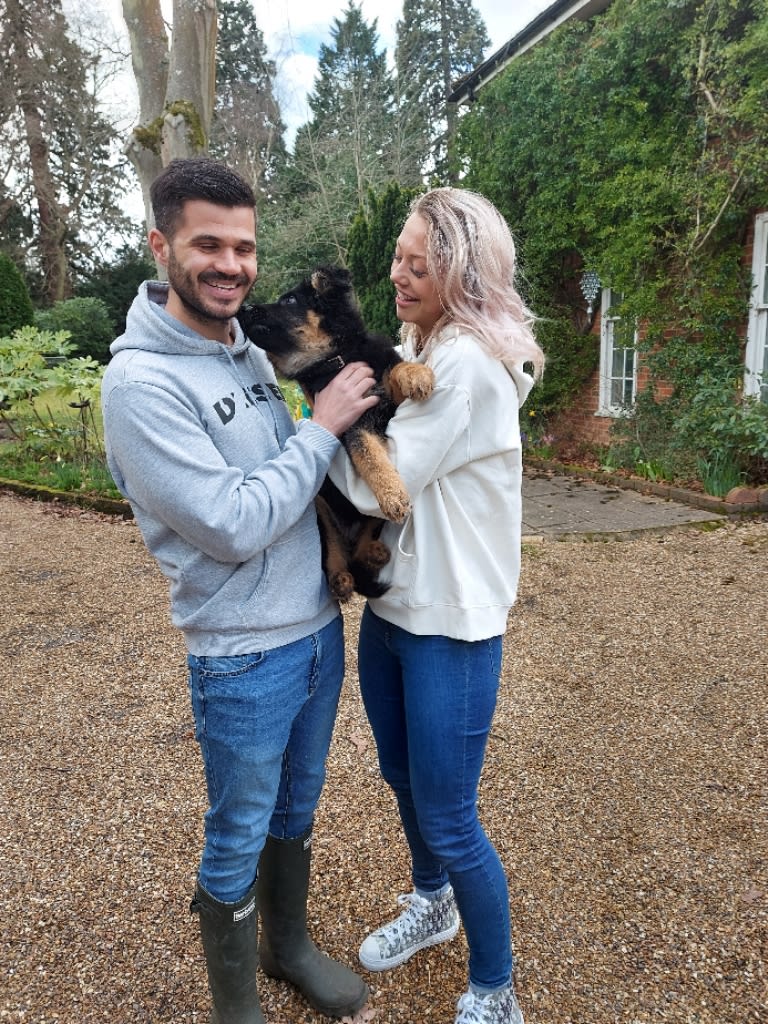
295	79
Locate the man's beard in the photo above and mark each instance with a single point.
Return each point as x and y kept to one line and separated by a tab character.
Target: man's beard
185	287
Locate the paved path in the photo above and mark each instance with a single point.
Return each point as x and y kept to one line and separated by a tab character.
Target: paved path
562	505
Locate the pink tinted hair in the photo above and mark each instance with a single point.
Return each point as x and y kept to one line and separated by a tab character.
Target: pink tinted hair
470	253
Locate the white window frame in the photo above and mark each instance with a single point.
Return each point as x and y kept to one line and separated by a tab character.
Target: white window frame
756	355
606	405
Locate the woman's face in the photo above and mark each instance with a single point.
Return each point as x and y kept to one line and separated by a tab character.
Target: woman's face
416	296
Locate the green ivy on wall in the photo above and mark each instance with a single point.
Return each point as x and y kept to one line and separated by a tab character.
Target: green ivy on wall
634	145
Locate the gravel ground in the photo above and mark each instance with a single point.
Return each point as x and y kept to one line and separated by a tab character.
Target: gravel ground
625	788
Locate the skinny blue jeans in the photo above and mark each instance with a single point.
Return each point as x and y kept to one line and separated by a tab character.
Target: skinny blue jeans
264	723
430	701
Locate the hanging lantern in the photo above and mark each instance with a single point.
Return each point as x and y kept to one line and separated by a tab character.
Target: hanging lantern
590	287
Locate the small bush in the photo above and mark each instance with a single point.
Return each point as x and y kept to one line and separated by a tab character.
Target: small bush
25	358
116	284
87	321
719	474
711	433
15	304
48	401
728	431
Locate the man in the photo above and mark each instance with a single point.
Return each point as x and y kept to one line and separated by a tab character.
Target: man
200	441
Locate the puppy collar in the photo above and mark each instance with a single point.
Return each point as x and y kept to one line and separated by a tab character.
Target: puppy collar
319	375
335	363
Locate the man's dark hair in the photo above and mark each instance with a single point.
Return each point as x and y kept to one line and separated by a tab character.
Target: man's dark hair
195	178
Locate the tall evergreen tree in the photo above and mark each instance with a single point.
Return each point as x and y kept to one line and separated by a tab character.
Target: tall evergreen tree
438	41
117	282
372	240
353	88
247	129
347	146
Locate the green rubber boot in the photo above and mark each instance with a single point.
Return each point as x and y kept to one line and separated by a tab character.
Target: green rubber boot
286	950
229	932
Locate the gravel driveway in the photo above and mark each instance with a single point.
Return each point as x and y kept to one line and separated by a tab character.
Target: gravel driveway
625	788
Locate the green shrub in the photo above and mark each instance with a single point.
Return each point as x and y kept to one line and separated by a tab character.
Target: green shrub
644	442
728	432
49	402
719	474
372	239
87	321
15	304
116	284
25	358
707	430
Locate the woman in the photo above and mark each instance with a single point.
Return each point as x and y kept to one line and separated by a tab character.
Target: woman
430	648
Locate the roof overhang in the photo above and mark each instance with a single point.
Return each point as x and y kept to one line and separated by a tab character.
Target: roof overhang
549	19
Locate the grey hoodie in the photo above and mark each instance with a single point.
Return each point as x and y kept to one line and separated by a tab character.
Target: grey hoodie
200	441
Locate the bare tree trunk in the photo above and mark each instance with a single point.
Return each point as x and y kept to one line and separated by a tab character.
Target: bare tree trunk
191	79
176	84
149	56
53	217
57	284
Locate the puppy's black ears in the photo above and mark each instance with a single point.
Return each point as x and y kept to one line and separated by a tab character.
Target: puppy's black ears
325	279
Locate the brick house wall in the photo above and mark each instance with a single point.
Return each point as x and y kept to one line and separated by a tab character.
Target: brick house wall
578	427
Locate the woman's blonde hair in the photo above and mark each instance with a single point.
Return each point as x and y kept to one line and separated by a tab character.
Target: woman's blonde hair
470	254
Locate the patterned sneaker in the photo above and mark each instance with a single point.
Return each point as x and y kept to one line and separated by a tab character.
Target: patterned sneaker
423	923
494	1008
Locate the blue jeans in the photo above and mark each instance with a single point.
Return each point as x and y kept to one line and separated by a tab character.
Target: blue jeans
430	701
264	723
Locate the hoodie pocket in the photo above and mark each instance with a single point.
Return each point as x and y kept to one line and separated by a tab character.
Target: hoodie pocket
422	575
291	587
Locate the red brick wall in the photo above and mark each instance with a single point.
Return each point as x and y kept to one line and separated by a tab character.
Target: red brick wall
578	425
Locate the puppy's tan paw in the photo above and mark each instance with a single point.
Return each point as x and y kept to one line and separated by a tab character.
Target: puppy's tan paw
395	506
375	555
421	383
413	380
342	585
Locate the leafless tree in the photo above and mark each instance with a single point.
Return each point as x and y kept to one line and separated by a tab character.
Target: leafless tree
175	70
56	152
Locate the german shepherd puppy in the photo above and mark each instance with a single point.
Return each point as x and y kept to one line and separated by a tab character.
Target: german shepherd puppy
310	334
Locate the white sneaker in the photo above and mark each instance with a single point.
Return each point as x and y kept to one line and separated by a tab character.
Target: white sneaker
423	923
494	1008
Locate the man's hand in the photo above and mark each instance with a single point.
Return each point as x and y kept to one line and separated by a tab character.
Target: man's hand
345	399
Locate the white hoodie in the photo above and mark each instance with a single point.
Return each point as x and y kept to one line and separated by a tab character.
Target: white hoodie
456	560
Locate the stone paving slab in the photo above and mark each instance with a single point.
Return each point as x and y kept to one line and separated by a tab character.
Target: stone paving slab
554	504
